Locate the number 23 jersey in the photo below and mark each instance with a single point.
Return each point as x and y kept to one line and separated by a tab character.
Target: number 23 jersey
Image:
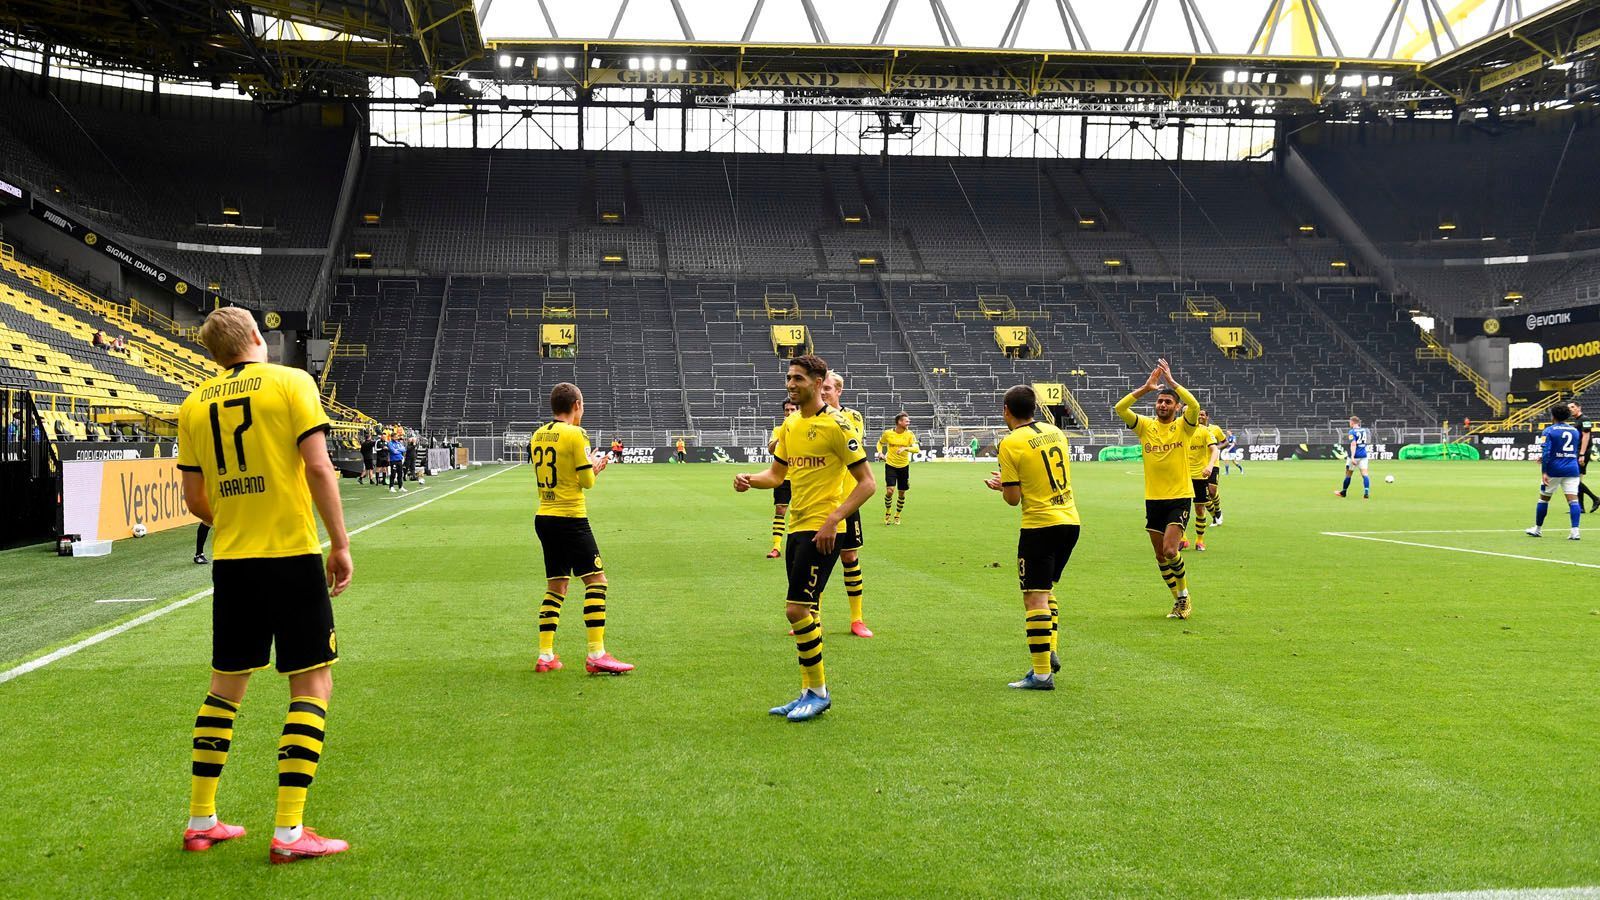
561	469
242	430
1036	458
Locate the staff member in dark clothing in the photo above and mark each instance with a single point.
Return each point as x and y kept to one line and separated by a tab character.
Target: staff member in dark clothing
366	458
1585	430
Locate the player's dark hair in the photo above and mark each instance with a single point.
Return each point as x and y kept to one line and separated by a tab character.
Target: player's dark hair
815	366
563	397
1170	393
899	416
1020	401
1560	412
788	403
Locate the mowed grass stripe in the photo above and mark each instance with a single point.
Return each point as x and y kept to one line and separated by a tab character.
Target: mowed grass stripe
1330	722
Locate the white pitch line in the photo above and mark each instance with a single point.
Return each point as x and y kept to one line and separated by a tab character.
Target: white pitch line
91	640
129	600
1559	562
1438	531
1571	893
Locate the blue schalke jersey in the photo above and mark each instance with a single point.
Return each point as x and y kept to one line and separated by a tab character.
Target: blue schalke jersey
1560	456
1361	437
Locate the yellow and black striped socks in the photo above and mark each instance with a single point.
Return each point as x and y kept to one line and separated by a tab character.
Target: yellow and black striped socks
299	751
853	589
1215	505
899	503
1200	522
213	735
1039	631
777	530
1169	576
808	644
1180	583
594	617
549	621
1055	624
888	501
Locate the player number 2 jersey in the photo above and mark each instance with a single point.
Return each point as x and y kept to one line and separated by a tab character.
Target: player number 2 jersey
561	469
1559	458
819	451
1036	458
898	446
242	430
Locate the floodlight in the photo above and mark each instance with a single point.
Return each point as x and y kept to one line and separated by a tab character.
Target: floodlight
649	63
505	60
633	63
569	63
1272	78
682	64
1305	80
1229	77
594	63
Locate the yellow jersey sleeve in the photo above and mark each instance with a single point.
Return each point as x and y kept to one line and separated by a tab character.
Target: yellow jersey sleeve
304	401
188	445
1010	472
847	444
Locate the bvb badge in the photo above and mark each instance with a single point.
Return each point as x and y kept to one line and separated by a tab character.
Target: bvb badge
333	643
91	238
597	564
1491	326
811	433
273	319
181	288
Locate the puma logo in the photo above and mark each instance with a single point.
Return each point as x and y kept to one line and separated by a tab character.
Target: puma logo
209	742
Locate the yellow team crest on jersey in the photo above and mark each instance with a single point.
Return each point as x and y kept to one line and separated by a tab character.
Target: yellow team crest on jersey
333	642
597	564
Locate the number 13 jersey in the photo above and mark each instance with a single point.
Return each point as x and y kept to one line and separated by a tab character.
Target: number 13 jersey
242	430
1036	458
561	469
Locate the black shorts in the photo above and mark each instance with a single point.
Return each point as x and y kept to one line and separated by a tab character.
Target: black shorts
1160	514
1041	555
366	459
1213	479
808	567
260	604
897	477
781	494
852	538
1202	493
382	460
569	547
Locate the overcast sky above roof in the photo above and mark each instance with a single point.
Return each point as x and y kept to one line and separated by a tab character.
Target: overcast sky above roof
980	23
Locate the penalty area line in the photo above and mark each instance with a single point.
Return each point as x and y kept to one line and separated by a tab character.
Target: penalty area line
1543	559
64	652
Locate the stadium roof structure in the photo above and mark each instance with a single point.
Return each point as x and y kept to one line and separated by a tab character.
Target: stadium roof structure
1268	57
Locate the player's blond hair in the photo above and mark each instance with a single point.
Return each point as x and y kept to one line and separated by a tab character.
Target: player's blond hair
833	375
228	333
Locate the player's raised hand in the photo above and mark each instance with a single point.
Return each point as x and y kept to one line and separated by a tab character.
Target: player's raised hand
1154	381
1165	368
993	481
741	482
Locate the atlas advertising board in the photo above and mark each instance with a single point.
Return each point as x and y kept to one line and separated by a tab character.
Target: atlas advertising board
103	499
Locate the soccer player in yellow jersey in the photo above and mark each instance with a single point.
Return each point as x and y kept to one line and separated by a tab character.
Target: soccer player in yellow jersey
817	445
1204	447
1213	494
563	468
1167	488
780	494
895	447
1035	473
252	446
854	537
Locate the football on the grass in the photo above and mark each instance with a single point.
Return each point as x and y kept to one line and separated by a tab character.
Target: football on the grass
1389	479
139	530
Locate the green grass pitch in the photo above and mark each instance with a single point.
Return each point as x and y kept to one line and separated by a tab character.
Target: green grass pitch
1341	716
